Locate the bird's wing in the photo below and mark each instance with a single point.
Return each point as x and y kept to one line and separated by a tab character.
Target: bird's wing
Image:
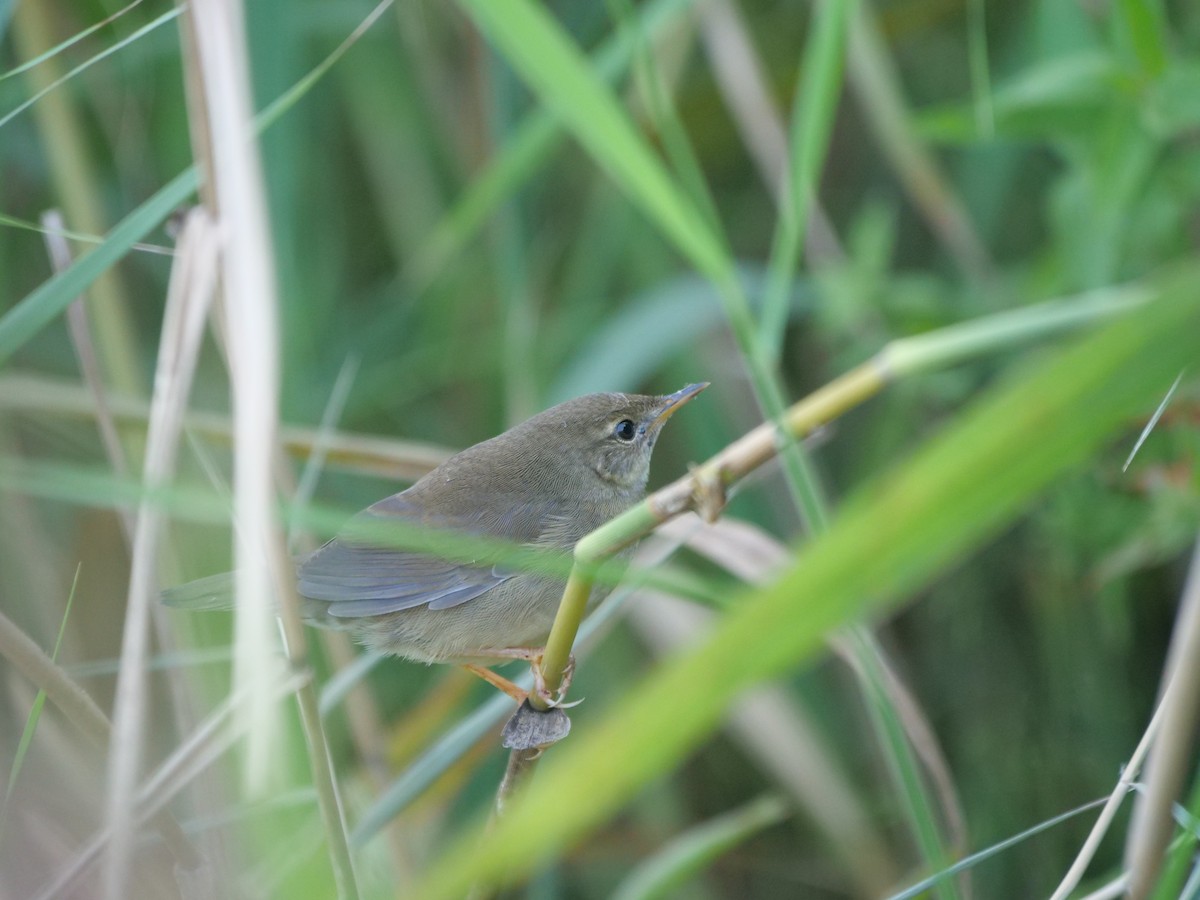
359	579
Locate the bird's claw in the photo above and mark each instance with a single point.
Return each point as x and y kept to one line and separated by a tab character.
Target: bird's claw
555	699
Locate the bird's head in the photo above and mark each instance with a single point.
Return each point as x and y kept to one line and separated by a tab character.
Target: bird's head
611	435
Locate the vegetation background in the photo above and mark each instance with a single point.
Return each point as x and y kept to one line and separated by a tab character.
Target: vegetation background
451	259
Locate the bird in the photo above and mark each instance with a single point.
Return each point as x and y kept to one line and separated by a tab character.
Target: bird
544	483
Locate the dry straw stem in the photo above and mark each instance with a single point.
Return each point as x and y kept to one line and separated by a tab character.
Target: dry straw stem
85	353
250	303
1124	785
118	454
369	454
234	172
704	489
81	711
188	297
1171	755
192	757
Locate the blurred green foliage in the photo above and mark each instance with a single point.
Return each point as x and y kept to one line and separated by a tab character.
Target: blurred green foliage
1075	165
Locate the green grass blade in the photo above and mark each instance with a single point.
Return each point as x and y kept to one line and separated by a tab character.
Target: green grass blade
820	84
893	537
698	847
539	49
35	711
526	149
82	67
558	73
1181	857
981	80
60	47
922	887
1142	24
49	299
672	133
901	761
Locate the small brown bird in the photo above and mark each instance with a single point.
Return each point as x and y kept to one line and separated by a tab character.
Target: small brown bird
544	483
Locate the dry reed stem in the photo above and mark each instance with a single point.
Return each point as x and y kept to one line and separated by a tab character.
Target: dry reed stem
1100	828
79	327
1172	755
250	307
262	568
194	755
188	296
82	712
369	454
85	350
85	354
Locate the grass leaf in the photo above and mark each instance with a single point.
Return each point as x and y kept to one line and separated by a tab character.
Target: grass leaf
35	711
890	539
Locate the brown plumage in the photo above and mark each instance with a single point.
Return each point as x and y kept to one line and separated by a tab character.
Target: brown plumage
546	482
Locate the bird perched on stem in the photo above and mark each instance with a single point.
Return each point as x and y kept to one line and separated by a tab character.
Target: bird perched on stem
544	484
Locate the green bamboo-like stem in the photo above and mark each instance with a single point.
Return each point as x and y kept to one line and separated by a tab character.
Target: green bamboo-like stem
1032	428
703	489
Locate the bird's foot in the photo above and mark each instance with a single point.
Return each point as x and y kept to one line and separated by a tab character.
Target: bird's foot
498	681
553	699
533	655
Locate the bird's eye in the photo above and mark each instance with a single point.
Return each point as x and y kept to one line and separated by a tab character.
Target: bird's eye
625	430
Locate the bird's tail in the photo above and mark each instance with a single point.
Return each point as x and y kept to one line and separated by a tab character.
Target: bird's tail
216	593
213	592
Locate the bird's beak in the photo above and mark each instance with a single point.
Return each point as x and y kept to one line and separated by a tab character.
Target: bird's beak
672	402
